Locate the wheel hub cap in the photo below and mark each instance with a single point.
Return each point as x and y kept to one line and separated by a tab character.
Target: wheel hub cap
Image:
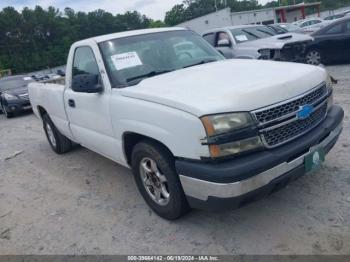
154	181
314	58
50	135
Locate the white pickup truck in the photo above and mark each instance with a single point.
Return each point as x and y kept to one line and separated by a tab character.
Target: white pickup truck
197	130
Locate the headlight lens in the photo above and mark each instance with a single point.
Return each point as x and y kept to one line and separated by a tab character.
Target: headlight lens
220	124
10	97
228	123
235	147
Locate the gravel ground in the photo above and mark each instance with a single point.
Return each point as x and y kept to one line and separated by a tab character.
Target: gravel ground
82	203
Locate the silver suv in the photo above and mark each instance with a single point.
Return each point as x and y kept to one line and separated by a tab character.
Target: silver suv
258	42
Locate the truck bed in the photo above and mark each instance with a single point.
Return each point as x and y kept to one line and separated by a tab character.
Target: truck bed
49	96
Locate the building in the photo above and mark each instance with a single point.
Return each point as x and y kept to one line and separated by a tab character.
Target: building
224	17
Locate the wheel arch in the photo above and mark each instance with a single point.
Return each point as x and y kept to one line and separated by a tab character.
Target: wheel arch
42	111
130	139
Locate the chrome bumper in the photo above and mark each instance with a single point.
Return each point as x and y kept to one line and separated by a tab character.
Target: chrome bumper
201	189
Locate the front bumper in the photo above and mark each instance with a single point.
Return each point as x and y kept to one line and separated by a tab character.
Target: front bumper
17	105
235	182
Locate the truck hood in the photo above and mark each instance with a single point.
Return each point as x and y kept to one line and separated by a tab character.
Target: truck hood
228	86
276	42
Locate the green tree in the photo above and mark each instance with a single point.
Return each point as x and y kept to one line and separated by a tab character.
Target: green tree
39	38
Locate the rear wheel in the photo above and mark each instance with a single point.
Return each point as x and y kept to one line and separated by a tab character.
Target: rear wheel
314	57
58	142
156	178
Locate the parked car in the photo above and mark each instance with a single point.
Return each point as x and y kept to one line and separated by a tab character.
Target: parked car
331	44
337	16
258	42
205	133
40	77
61	72
53	76
14	94
308	22
289	27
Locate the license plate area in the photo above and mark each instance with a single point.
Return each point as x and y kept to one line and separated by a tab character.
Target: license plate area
313	161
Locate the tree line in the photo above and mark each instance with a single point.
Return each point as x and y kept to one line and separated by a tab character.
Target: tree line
38	38
190	9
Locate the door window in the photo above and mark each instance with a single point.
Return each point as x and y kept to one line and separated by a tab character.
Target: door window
336	29
348	27
84	62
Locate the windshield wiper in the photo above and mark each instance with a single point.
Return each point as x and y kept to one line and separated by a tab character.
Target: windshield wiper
206	61
149	74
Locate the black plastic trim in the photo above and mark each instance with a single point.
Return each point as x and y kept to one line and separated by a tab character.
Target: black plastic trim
244	133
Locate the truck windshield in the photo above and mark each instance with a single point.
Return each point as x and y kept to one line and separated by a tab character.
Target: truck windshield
251	33
129	60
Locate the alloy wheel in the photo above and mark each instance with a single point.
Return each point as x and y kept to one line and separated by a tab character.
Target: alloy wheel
50	135
154	181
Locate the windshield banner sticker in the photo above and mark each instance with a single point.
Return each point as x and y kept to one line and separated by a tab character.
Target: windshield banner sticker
126	60
241	38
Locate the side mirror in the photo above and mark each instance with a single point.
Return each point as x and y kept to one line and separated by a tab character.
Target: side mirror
224	43
87	83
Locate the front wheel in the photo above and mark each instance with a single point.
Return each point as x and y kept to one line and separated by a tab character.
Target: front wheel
314	57
4	111
156	178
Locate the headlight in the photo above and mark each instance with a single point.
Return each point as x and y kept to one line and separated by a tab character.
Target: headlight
220	124
10	97
330	101
265	54
235	147
227	124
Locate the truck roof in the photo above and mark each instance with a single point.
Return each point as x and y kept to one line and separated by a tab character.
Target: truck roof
103	38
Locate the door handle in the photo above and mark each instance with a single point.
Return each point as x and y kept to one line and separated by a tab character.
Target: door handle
71	102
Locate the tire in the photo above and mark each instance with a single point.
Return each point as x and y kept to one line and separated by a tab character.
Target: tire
4	111
58	142
171	207
314	57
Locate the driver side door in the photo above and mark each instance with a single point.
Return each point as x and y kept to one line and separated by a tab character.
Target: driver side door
89	113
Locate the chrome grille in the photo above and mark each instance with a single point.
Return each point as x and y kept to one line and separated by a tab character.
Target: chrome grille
294	129
268	115
279	124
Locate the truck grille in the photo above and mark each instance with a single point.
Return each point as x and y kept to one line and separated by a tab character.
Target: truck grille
295	129
273	113
279	124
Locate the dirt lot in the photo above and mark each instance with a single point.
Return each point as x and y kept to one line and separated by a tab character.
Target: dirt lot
82	203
